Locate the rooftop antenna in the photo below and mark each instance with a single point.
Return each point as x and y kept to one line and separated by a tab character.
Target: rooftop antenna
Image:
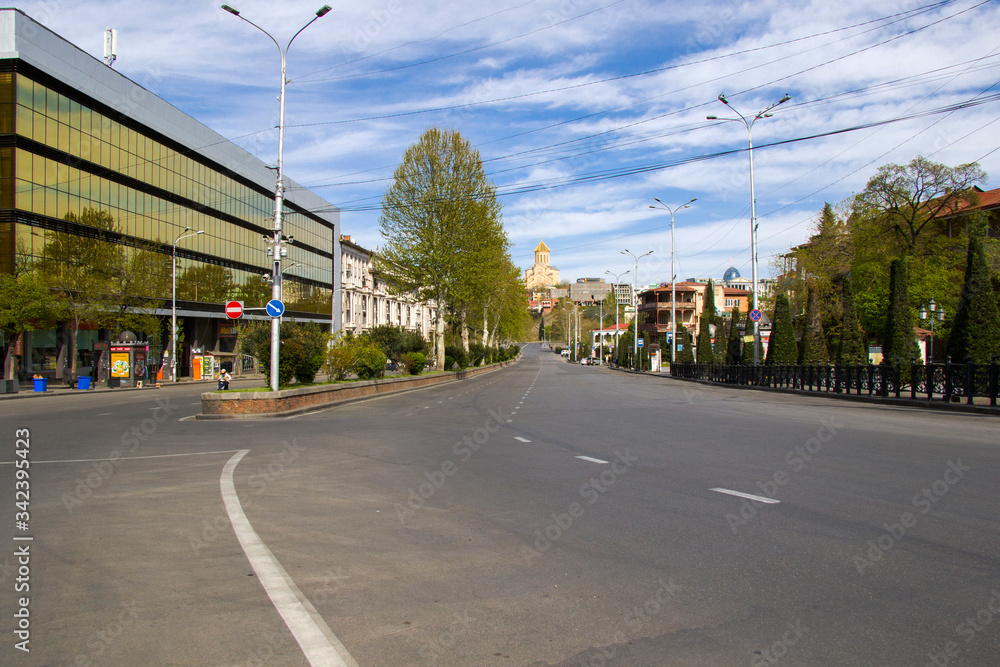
110	46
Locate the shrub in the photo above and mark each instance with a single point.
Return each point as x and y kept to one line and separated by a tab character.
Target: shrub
458	354
449	362
340	359
558	349
370	362
414	362
477	353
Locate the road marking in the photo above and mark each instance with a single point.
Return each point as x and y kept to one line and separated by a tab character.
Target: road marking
315	638
104	414
592	460
131	458
517	437
748	496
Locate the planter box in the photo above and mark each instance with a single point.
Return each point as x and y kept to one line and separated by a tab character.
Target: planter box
257	404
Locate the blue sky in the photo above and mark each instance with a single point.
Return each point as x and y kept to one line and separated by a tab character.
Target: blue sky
583	110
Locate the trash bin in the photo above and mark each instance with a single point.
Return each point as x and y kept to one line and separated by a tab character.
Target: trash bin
83	382
41	384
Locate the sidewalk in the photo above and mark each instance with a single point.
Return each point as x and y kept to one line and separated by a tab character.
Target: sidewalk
61	388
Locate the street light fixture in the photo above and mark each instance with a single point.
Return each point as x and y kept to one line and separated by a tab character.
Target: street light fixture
763	113
673	276
635	298
173	303
930	312
618	278
276	244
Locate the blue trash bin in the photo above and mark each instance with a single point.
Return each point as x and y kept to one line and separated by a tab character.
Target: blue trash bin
83	382
41	384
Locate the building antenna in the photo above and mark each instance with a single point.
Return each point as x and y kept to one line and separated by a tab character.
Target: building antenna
110	46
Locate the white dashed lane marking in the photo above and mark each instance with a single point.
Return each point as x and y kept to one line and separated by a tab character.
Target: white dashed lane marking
517	437
592	460
748	496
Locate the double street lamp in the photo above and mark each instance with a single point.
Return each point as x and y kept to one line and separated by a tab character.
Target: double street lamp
930	312
635	306
173	303
748	122
277	244
673	276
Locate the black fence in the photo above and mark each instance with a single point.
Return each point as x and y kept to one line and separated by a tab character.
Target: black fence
947	382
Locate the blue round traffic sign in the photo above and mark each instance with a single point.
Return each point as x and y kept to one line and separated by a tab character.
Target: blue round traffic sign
755	315
275	308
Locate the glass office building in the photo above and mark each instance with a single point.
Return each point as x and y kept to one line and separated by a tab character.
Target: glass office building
79	142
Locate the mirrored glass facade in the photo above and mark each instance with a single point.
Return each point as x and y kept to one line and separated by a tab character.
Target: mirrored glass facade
62	154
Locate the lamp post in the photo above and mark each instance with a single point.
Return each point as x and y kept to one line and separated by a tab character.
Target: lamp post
673	276
277	244
173	303
930	313
763	113
618	278
635	297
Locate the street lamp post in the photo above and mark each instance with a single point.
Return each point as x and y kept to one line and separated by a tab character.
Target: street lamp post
618	278
173	303
635	298
673	276
763	113
277	244
930	313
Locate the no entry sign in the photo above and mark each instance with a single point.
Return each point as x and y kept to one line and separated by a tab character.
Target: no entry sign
234	309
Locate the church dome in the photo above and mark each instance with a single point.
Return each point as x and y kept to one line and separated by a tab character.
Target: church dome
732	273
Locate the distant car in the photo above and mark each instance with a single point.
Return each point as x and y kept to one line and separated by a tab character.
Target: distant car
565	353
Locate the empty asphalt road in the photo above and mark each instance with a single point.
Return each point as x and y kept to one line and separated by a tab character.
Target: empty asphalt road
543	514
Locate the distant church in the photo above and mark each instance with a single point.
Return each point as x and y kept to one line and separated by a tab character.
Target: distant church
541	275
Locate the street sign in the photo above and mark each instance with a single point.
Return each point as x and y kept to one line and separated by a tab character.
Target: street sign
234	309
639	342
275	308
755	315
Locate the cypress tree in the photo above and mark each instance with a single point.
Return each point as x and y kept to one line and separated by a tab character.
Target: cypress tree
976	331
782	348
686	354
734	345
814	349
747	356
851	349
706	354
899	344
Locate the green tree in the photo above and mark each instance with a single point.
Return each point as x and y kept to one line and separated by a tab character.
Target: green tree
899	345
686	354
747	356
909	211
851	347
706	355
79	268
26	304
975	333
782	348
440	220
813	349
734	345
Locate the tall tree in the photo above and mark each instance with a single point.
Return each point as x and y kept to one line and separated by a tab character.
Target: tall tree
851	348
734	345
899	345
782	348
706	355
813	349
440	218
747	356
975	333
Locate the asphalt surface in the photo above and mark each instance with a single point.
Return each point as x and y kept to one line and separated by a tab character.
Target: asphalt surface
459	525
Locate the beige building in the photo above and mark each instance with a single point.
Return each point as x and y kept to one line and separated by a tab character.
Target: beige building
367	303
542	274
